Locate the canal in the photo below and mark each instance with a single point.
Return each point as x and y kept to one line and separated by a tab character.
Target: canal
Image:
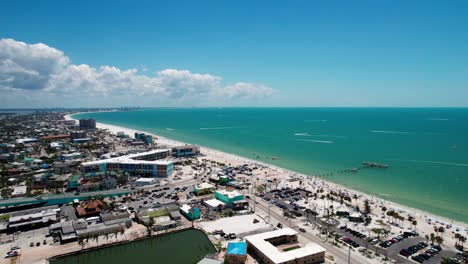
184	247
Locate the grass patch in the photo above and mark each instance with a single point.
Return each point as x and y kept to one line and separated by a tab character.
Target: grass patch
291	248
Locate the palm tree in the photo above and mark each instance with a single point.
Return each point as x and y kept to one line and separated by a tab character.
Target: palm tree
378	232
81	242
439	240
432	238
446	260
462	240
427	238
415	223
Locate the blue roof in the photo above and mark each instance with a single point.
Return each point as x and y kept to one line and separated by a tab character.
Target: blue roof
237	248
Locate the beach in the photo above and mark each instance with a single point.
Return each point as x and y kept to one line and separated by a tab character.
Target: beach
425	221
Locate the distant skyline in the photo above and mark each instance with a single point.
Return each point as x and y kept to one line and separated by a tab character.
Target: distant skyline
376	53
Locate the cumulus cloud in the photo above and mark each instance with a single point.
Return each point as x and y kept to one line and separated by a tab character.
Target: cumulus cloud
247	90
39	67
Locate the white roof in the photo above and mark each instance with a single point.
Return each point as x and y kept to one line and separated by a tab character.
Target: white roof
146	180
205	185
17	190
185	208
277	256
229	194
130	159
214	203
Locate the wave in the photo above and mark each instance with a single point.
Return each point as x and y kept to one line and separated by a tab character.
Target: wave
440	162
388	132
316	120
317	135
170	129
316	141
215	128
437	119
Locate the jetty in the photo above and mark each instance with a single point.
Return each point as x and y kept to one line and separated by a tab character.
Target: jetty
369	164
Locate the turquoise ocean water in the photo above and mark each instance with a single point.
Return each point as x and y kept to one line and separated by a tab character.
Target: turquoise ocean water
426	148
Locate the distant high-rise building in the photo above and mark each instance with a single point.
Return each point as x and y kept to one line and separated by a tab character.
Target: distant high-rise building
88	123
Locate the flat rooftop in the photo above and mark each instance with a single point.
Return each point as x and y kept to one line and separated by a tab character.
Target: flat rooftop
132	159
276	255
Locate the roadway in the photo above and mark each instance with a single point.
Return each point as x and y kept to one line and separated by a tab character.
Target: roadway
340	255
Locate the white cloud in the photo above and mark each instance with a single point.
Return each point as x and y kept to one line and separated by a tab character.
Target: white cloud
247	90
39	67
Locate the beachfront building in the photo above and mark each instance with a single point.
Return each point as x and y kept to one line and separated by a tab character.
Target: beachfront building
356	217
148	139
204	188
236	253
191	213
185	151
232	198
281	247
87	123
141	164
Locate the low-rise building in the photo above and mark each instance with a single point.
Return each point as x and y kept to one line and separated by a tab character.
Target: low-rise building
19	191
191	213
185	151
215	204
281	247
236	253
204	188
146	182
33	218
89	208
232	198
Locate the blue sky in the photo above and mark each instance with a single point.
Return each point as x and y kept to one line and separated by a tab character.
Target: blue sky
248	53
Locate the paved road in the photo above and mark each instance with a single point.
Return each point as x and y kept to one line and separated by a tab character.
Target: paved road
341	256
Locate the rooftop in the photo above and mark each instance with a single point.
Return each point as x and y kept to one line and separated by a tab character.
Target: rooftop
277	256
229	194
237	248
133	158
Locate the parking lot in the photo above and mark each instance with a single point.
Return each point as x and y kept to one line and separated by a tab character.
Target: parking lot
155	196
287	199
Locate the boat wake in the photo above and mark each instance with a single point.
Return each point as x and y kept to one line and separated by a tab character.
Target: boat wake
388	132
437	119
317	135
316	120
316	141
440	162
215	128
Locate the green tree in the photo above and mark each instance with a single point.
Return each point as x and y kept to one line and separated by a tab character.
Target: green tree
432	238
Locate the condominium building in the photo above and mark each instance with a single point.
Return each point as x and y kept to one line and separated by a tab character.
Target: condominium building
148	164
88	123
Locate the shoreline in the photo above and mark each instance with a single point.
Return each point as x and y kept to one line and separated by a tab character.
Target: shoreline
417	213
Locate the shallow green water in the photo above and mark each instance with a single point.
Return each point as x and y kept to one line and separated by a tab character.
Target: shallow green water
179	248
426	148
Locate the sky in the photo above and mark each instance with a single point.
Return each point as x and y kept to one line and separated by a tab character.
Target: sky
380	53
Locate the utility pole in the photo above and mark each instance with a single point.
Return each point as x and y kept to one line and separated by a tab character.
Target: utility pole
253	194
269	217
349	255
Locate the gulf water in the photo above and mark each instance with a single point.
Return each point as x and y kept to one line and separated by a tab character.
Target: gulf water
426	149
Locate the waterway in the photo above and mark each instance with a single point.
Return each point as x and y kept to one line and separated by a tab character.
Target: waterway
176	248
